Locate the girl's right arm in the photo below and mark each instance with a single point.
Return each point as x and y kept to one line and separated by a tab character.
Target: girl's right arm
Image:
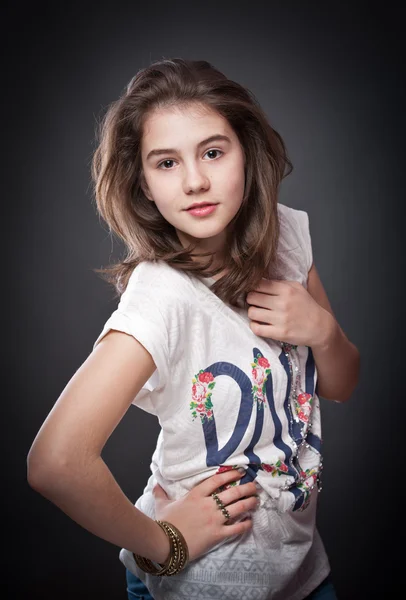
65	464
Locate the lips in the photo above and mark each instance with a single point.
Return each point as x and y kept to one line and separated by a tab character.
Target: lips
201	205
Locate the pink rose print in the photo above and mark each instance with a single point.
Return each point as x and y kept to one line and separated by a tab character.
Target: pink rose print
205	377
260	372
310	480
304	406
263	362
278	468
202	386
303	416
198	392
224	468
304	398
307	483
258	376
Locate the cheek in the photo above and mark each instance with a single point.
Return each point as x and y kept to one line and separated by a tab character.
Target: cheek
235	179
164	195
165	205
233	187
159	186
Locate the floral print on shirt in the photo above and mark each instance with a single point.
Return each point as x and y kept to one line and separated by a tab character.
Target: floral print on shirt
303	405
203	384
278	468
308	481
260	371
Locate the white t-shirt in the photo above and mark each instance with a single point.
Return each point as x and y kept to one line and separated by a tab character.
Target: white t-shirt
221	394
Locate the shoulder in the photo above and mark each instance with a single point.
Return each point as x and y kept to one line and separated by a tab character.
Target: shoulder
154	273
152	308
157	280
159	293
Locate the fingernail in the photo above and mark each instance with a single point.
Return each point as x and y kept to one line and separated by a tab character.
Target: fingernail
241	470
258	486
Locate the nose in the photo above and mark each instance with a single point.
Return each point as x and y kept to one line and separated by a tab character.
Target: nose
195	180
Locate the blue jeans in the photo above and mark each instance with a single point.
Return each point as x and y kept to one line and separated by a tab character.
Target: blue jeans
137	589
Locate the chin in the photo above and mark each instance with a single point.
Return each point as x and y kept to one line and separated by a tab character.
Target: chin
204	233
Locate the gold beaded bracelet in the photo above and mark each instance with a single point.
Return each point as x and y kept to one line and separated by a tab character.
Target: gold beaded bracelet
178	555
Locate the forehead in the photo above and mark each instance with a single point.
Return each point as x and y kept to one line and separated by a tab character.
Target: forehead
180	127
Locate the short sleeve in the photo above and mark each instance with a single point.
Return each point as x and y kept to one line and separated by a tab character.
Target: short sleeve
305	240
139	314
295	255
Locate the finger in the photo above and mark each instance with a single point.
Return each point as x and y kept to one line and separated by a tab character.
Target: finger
259	299
270	286
237	528
262	315
237	492
239	508
237	501
266	331
211	484
262	300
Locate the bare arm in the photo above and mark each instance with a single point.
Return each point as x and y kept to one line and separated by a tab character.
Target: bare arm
337	359
64	462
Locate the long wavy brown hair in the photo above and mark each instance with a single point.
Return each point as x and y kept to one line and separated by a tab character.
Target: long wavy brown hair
117	173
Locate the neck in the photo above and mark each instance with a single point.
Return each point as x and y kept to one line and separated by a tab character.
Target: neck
214	244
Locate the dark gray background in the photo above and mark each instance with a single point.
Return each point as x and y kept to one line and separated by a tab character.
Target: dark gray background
329	78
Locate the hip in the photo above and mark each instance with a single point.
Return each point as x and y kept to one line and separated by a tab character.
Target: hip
136	589
279	554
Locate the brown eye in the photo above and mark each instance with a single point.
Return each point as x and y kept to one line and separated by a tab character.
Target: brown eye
164	162
167	166
214	151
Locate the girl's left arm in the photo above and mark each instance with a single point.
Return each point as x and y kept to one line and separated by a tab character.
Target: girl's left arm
337	359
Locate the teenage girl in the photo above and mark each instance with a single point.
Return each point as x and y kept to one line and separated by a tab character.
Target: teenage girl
223	331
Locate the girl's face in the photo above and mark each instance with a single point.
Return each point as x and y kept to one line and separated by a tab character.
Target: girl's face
182	167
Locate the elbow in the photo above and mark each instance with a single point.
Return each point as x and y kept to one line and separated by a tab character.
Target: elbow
340	396
51	471
39	474
343	398
43	473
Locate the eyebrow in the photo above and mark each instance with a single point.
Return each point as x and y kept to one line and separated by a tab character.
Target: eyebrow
217	137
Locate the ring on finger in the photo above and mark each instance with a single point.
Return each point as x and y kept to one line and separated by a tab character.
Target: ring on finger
221	506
